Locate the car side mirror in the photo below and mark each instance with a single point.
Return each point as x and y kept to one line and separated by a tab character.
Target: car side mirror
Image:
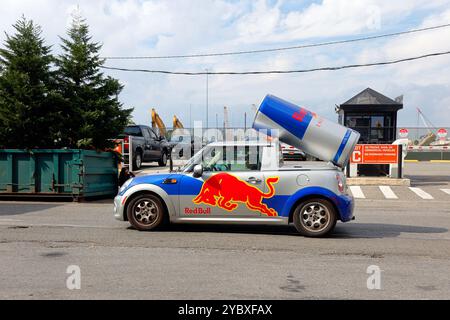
198	171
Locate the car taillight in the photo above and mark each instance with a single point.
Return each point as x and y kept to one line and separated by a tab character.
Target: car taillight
340	183
126	142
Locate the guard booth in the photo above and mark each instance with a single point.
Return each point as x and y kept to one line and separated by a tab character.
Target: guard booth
374	116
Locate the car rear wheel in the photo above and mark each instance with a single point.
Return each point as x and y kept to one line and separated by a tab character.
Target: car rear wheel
137	162
315	218
146	212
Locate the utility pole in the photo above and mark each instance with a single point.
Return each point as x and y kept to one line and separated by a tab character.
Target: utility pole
245	120
217	120
190	116
207	98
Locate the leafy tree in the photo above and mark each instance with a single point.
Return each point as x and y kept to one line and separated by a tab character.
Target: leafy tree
96	115
30	107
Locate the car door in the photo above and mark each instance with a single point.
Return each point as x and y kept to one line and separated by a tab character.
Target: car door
232	185
155	143
147	145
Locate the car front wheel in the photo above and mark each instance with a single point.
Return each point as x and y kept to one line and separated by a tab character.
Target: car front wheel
146	212
315	218
163	161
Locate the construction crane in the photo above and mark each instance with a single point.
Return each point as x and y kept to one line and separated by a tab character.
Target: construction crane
430	137
177	123
157	123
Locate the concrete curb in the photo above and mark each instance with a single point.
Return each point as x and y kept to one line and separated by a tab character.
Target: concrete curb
377	181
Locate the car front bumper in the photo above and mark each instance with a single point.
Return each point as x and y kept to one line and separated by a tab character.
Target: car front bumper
119	202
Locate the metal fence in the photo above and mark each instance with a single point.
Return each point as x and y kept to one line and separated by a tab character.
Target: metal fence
416	134
376	135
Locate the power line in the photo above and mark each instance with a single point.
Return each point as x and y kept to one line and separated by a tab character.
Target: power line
280	71
313	45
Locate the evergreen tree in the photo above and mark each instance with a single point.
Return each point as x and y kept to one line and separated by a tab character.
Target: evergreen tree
30	109
96	115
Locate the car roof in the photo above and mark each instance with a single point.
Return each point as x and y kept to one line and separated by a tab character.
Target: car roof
242	144
138	125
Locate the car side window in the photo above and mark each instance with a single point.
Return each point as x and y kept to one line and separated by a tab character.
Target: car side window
146	133
153	134
245	158
280	155
133	131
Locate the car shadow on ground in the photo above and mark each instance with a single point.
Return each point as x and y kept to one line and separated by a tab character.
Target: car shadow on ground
342	231
12	209
381	230
423	181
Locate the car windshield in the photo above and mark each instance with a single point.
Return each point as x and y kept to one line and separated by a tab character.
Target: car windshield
196	159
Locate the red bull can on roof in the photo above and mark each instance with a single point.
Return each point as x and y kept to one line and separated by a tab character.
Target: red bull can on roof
303	129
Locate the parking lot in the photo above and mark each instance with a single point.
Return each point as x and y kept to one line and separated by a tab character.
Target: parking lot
406	236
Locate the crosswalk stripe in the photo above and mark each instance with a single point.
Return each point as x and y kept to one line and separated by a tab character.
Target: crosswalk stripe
387	192
421	193
357	192
446	191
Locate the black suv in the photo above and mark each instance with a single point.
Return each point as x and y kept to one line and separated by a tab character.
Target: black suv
147	146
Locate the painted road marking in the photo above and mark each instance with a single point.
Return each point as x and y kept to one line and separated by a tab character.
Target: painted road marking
421	193
447	191
357	192
10	220
387	192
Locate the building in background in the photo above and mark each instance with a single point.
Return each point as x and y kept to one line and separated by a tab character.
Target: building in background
374	116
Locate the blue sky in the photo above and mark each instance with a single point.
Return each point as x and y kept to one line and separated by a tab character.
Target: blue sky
137	27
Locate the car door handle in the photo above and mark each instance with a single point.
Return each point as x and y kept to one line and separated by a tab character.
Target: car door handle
254	180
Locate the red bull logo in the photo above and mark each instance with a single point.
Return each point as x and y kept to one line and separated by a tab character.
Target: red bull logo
300	115
226	191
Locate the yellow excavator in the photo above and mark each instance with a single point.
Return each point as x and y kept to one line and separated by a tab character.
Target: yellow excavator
157	123
177	123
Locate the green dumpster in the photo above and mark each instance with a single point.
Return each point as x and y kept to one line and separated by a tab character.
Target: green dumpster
79	174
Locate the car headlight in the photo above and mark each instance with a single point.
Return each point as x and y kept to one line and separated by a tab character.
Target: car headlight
125	185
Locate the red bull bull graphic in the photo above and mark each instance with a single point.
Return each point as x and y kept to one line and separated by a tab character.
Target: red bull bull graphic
227	191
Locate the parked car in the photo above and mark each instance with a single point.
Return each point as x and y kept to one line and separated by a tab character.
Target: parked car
184	145
147	146
292	153
212	188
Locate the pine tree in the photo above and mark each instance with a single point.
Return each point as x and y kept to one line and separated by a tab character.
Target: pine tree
30	109
92	98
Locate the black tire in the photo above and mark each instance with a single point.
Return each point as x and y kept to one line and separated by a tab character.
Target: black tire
146	212
163	161
137	161
315	218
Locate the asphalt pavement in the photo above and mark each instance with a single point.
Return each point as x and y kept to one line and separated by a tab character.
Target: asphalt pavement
407	238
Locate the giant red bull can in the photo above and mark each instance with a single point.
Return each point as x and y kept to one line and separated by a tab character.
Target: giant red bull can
303	129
